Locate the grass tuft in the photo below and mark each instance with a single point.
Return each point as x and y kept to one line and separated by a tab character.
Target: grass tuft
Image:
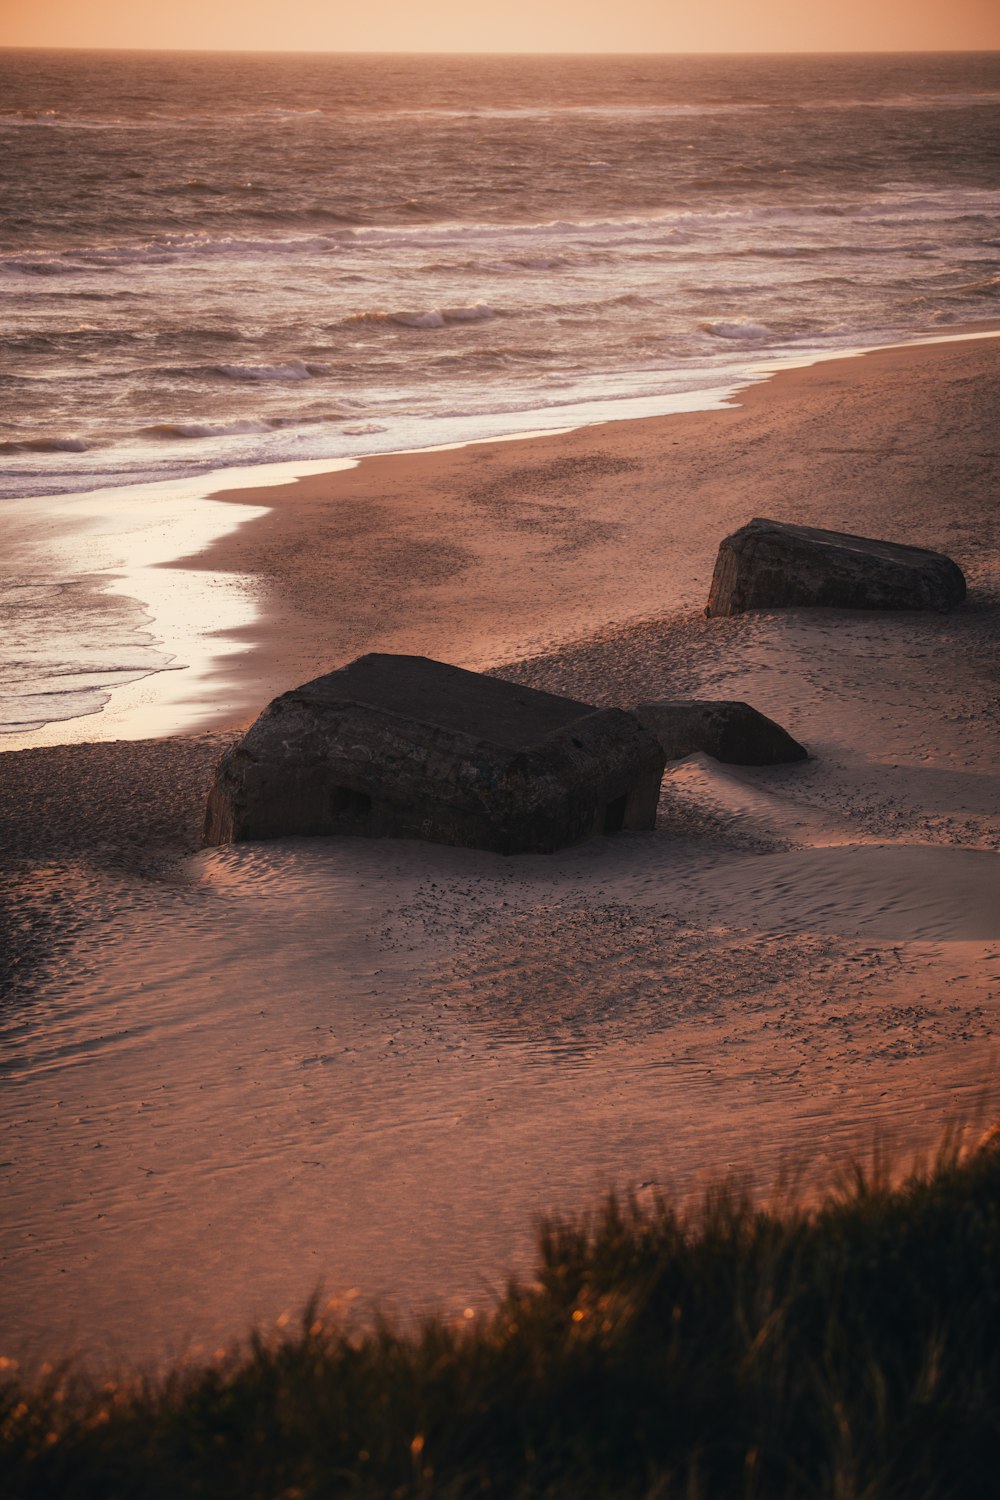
850	1352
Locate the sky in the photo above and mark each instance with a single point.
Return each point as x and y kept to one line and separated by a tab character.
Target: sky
507	25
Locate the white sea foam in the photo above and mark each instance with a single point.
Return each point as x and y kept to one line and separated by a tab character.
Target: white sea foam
432	319
205	429
435	317
545	241
66	645
291	369
72	627
44	445
478	314
736	329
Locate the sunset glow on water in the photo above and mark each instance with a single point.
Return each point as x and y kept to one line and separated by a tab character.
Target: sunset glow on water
217	260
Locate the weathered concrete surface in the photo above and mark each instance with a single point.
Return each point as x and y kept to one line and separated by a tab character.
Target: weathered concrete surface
727	729
406	747
775	565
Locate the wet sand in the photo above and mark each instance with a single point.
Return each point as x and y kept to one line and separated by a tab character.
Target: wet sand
231	1074
493	552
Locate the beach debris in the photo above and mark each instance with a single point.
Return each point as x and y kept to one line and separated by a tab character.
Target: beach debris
777	565
406	747
724	728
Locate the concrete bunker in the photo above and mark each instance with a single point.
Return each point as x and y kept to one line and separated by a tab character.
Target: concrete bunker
406	747
777	565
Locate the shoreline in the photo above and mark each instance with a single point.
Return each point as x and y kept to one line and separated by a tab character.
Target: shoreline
232	1073
467	540
214	634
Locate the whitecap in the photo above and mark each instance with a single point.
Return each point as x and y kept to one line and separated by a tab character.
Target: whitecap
432	319
44	445
440	317
736	329
204	429
480	313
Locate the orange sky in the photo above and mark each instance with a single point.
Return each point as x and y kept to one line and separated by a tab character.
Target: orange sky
507	25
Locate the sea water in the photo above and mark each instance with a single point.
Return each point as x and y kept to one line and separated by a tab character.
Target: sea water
209	260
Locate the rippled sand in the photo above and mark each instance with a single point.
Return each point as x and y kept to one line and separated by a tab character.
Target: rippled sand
229	1075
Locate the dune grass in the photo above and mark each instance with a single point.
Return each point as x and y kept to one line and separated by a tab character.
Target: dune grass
728	1351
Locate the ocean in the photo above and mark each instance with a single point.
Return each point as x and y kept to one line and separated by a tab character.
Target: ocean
209	260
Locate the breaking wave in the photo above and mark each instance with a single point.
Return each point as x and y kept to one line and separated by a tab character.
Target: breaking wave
205	429
435	317
736	329
44	445
242	426
291	369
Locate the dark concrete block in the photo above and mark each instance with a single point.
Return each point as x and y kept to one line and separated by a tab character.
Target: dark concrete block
726	729
406	747
775	565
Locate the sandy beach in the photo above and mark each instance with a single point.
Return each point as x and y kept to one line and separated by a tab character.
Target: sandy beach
230	1075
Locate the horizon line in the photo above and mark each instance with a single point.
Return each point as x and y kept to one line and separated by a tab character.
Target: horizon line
516	52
